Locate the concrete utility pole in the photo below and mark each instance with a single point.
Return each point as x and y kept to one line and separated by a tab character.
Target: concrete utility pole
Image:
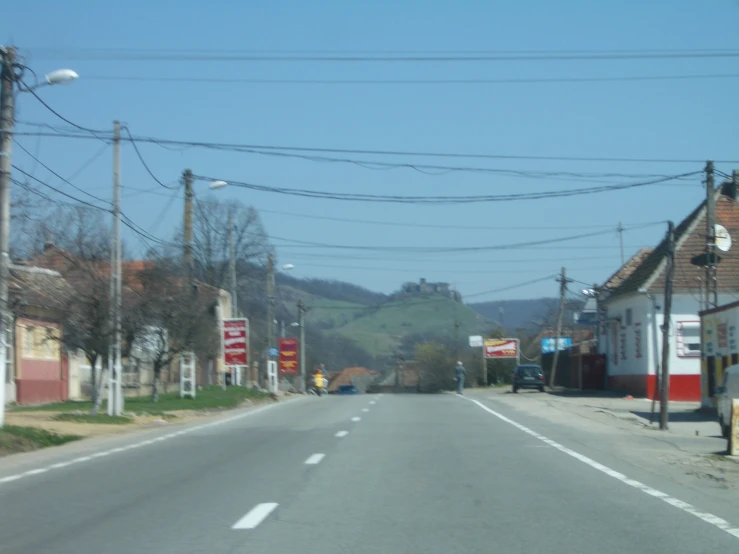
7	119
232	268
711	274
301	326
270	306
115	389
187	238
621	230
560	314
664	395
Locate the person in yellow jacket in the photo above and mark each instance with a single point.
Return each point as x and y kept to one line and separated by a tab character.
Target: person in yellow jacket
318	379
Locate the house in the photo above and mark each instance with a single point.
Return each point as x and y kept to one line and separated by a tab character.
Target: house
425	288
137	374
360	377
630	307
38	371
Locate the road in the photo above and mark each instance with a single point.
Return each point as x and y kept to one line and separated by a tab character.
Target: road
363	474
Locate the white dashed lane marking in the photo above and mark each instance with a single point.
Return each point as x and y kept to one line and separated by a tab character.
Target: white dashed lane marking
341	434
255	516
315	459
355	418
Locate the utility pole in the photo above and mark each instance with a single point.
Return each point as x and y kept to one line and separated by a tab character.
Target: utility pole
7	119
560	314
711	277
282	328
232	268
664	395
187	250
301	326
115	392
621	230
270	305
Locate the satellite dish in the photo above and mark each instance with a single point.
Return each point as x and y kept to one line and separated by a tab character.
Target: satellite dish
722	238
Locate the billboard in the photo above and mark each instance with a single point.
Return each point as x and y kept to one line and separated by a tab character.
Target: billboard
236	342
475	341
548	347
288	352
501	348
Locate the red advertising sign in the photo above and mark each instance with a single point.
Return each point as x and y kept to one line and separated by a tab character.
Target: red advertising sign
236	342
288	363
501	348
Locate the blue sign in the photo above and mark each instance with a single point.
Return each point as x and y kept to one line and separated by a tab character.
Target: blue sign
547	345
273	352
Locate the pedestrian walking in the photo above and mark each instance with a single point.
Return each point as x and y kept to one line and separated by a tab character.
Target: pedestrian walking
459	374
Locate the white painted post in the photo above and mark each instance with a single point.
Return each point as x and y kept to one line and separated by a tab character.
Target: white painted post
272	384
187	375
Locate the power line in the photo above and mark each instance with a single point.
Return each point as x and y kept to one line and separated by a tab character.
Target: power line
143	162
416	270
518	285
444	249
532	80
199	56
248	147
47	168
93	132
356	197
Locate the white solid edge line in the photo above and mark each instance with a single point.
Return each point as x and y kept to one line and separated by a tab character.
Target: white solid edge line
342	434
315	459
684	506
255	516
103	453
355	418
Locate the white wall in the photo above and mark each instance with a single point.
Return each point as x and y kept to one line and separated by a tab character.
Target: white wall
685	307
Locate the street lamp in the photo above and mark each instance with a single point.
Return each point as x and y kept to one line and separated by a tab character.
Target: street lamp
10	72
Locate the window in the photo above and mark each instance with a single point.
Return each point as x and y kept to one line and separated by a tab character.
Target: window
688	339
629	316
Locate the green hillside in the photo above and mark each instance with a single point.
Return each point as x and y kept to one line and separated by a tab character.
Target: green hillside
380	330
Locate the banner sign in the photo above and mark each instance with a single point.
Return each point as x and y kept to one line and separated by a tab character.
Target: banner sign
288	348
501	348
548	344
475	341
236	342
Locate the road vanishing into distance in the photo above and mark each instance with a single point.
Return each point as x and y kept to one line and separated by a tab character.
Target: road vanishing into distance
363	474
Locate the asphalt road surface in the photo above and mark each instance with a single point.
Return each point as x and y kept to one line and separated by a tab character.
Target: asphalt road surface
362	474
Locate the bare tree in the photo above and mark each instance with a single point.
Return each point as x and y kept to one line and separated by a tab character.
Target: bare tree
175	318
210	231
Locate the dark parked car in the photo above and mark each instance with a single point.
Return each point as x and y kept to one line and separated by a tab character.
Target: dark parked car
528	376
347	389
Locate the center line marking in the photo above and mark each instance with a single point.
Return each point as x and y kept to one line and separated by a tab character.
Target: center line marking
677	503
255	516
342	434
355	418
365	409
373	401
315	459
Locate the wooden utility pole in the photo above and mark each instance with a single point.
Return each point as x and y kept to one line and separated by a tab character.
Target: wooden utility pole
621	230
664	395
270	307
560	314
711	277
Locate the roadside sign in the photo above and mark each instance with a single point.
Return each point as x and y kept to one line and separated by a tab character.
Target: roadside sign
501	348
288	356
548	346
273	352
236	341
475	341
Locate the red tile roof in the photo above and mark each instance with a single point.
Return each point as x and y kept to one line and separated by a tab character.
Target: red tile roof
690	237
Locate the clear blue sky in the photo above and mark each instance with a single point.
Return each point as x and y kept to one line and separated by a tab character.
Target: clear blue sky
677	119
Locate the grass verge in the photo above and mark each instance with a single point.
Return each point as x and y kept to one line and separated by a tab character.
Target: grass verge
24	439
209	398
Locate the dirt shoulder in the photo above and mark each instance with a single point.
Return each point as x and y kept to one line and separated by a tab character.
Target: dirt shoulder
33	429
692	451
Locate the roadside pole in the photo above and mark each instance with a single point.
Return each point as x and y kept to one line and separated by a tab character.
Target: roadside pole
560	314
115	389
301	365
667	314
484	366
